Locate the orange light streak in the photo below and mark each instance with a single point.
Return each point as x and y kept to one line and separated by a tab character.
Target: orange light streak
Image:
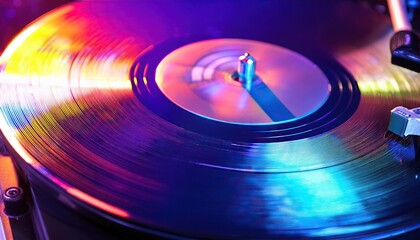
398	15
97	203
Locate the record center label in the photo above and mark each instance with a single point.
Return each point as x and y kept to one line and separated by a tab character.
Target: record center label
198	78
294	93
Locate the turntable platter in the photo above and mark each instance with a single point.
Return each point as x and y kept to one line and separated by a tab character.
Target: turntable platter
85	108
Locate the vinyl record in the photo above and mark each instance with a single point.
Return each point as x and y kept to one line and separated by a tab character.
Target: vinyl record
132	108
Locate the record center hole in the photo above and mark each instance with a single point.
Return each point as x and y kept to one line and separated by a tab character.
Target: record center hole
245	73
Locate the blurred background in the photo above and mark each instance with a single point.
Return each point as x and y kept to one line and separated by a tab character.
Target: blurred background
16	14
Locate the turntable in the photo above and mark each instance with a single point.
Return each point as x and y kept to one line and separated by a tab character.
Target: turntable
212	119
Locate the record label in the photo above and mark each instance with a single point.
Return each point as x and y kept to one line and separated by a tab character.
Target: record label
198	78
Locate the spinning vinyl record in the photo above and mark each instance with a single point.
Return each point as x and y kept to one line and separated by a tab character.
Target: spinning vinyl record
140	112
